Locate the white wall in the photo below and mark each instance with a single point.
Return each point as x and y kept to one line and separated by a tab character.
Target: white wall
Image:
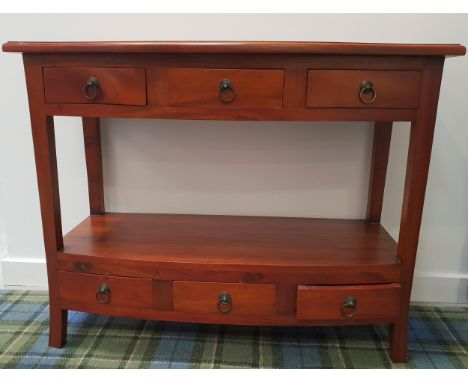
290	169
3	244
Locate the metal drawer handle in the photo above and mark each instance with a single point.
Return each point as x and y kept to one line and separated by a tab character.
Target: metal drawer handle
226	91
91	89
224	303
348	308
103	294
367	90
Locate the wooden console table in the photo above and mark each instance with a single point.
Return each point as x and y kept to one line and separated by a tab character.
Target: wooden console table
233	269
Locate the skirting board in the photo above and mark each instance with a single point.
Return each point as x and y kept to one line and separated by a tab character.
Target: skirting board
427	287
24	273
440	287
3	253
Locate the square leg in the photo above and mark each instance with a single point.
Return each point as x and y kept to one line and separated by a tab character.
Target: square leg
57	326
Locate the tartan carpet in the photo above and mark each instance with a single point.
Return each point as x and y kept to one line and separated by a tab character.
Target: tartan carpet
438	338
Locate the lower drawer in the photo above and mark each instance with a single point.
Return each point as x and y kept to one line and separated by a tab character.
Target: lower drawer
224	298
348	302
105	290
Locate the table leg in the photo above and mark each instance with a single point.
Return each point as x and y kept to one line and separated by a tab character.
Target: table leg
378	174
417	169
92	140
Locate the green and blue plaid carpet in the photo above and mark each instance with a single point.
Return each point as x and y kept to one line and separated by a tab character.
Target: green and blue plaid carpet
438	339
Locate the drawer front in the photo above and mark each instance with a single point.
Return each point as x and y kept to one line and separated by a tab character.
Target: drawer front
363	88
120	291
224	87
348	302
112	86
224	298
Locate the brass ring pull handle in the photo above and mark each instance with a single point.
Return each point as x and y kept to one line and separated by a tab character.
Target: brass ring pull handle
226	91
103	294
348	308
367	92
224	303
91	89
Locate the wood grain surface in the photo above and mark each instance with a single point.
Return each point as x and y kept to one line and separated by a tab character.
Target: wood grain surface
232	240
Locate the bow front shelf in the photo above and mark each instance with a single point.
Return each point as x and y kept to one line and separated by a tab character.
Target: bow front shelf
233	269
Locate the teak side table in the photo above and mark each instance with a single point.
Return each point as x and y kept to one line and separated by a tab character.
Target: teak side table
233	269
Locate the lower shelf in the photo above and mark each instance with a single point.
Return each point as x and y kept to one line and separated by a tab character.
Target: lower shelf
231	269
232	249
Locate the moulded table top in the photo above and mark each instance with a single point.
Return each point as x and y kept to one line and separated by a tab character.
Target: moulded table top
237	47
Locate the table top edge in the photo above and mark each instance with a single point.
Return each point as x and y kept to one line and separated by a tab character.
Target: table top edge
236	47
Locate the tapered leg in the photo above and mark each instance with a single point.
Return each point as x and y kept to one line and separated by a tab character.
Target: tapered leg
58	326
42	127
46	166
399	341
378	174
92	139
417	169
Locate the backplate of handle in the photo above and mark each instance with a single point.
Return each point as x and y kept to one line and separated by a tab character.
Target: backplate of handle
224	303
103	295
348	308
91	89
367	92
226	91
